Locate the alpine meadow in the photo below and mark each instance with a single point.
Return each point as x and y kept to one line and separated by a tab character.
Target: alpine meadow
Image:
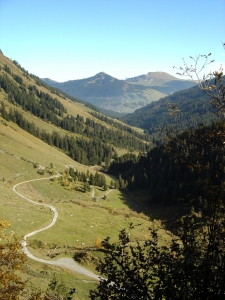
112	189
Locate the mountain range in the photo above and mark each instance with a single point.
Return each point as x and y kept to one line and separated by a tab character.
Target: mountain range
124	96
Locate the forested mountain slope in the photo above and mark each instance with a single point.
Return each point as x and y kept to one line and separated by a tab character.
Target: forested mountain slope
191	157
176	172
60	121
193	108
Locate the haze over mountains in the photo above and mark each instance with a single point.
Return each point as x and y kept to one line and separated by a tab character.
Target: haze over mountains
124	96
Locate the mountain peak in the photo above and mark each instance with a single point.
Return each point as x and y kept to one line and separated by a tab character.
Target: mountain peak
153	78
160	75
102	73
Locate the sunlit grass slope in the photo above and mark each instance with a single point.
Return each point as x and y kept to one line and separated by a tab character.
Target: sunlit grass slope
81	220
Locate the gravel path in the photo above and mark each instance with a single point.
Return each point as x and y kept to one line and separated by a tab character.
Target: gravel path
66	262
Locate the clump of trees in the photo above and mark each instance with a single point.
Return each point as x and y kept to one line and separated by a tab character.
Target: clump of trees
71	176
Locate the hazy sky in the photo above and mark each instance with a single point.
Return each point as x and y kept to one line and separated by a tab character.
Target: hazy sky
74	39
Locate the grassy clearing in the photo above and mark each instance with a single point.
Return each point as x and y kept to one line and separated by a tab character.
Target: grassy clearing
21	144
81	220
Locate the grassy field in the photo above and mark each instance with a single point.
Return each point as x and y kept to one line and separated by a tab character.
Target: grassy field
81	220
18	151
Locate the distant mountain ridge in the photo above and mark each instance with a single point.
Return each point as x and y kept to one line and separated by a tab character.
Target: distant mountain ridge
152	78
125	96
162	82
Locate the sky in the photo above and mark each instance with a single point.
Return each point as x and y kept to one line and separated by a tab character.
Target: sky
74	39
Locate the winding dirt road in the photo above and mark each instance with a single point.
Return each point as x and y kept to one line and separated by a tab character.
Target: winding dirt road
66	262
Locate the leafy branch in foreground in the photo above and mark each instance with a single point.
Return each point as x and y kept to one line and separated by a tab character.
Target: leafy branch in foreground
212	83
191	267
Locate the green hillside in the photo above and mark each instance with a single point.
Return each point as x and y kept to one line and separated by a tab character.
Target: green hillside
193	108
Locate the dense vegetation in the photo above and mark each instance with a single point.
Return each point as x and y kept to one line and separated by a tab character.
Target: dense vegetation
121	126
168	180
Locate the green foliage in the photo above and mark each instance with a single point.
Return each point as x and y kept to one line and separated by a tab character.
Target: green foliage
170	171
3	112
105	187
191	267
38	103
86	187
41	171
119	125
7	69
58	290
133	271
